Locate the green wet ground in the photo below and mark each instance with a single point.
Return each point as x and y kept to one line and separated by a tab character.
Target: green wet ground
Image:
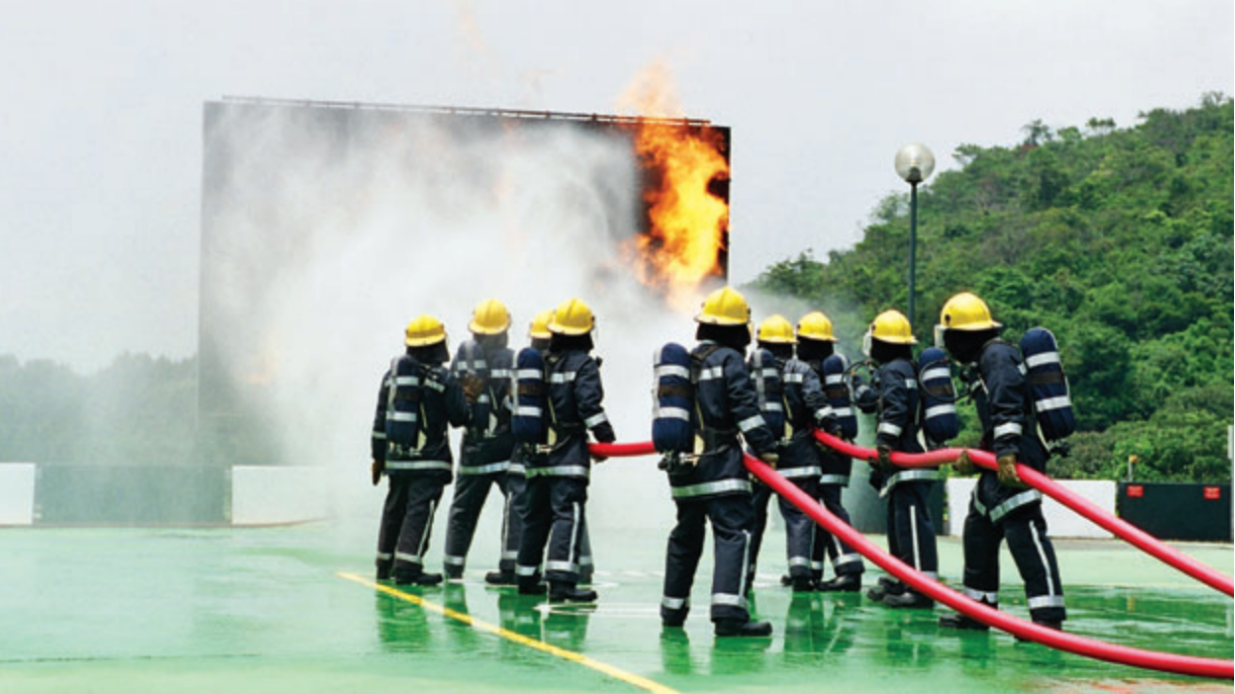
264	610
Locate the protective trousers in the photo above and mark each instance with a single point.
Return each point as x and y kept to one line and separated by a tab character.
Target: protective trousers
554	515
732	518
911	532
407	523
471	491
845	560
800	530
1031	549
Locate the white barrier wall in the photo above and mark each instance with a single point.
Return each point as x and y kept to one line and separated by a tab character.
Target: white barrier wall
17	493
274	495
1061	521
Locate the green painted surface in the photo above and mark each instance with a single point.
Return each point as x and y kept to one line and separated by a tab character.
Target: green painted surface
263	610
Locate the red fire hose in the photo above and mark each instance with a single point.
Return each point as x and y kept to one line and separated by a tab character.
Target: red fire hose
1120	528
1163	662
1100	650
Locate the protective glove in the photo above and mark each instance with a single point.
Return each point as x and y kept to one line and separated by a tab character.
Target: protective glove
884	459
1007	471
598	459
964	464
376	468
770	458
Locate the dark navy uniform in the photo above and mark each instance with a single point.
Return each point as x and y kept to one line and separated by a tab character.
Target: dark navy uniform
484	461
557	481
996	512
800	458
717	488
417	474
837	468
911	530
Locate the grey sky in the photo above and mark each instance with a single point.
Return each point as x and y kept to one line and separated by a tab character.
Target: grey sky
100	155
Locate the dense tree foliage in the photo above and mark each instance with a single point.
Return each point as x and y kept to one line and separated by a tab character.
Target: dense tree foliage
139	410
1118	240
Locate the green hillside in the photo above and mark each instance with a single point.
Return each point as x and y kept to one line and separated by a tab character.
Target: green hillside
1117	239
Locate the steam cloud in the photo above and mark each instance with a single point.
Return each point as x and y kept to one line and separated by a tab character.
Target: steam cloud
324	247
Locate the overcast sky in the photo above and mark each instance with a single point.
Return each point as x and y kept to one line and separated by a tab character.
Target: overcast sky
100	153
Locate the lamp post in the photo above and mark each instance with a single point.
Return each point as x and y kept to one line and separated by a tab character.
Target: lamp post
915	163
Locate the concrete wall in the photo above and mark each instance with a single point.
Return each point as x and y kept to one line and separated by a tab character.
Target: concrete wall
274	495
17	493
1061	521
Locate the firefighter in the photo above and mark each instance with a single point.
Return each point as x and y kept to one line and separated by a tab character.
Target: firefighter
516	477
816	343
418	400
1001	506
717	487
911	530
801	403
484	455
557	484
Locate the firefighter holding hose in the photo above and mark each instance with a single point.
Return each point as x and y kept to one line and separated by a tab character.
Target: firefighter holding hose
801	404
1001	506
717	487
557	484
911	530
816	347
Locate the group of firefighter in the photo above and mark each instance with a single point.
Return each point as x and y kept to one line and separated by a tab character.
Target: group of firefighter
544	536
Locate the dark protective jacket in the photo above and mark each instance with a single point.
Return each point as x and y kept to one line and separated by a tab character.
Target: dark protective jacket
1001	397
805	406
836	467
487	441
575	404
725	406
442	405
898	420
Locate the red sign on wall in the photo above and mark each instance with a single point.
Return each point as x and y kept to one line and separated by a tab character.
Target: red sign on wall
1213	493
1135	491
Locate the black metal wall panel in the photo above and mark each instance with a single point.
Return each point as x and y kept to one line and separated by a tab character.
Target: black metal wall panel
1177	511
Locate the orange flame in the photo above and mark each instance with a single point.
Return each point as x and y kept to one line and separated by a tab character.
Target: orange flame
688	223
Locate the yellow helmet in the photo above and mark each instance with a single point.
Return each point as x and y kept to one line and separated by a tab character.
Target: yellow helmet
892	326
776	329
540	325
425	330
490	318
572	317
966	311
724	306
816	326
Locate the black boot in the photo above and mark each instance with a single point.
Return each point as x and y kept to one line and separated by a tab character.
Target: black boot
531	585
908	598
500	578
673	619
803	584
383	571
956	620
738	627
884	586
844	583
566	592
419	579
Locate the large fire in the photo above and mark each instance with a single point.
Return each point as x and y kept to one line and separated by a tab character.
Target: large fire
688	222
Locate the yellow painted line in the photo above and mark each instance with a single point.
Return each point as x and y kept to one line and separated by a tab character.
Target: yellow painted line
604	668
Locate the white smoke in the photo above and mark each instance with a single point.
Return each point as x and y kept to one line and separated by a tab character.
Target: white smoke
326	247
